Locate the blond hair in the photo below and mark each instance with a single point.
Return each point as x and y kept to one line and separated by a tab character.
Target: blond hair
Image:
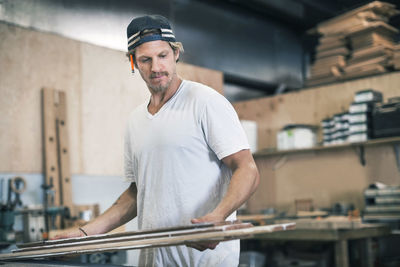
176	46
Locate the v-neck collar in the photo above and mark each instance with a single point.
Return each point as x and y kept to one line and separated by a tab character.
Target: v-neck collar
151	116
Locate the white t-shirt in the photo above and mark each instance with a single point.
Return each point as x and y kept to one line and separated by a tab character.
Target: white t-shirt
174	157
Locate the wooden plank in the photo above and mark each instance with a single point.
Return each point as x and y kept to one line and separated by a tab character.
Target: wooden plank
327	67
209	77
178	231
343	51
130	233
51	169
56	151
371	39
230	232
259	218
325	39
316	80
382	60
375	25
63	152
339	60
370	52
396	57
329	46
364	70
372	11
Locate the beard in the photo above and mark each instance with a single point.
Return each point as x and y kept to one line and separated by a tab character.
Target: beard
160	88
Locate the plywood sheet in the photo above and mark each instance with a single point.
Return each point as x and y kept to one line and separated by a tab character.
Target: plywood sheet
212	78
109	93
101	92
29	61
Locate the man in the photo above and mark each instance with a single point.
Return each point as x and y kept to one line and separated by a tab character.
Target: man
186	155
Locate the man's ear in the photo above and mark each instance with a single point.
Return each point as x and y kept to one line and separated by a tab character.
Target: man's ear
176	54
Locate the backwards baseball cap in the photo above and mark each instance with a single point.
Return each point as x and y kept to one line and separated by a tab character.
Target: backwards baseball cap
149	28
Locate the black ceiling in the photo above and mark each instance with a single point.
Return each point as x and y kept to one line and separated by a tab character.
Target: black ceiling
299	15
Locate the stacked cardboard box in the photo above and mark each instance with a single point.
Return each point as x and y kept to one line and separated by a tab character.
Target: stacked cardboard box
357	43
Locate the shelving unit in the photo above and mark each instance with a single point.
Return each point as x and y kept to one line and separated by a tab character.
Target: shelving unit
395	141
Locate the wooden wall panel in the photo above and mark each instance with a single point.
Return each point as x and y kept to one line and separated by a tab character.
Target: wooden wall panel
101	93
109	93
31	60
212	78
325	176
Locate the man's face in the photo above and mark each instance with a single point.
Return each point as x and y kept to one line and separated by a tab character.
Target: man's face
156	63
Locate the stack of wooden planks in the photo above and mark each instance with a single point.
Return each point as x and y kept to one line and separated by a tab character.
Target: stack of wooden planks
355	44
183	235
396	57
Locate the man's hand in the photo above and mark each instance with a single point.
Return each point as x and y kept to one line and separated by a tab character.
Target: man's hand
209	218
69	233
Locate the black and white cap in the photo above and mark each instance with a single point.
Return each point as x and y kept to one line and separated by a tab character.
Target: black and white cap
136	30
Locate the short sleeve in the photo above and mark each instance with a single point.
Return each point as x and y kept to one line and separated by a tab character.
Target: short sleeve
128	158
221	126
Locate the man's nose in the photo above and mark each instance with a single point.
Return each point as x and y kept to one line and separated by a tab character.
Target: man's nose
155	66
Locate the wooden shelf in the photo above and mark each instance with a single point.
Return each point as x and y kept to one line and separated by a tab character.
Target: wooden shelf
373	142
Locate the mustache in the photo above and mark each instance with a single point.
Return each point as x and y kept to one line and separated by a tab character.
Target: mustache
158	74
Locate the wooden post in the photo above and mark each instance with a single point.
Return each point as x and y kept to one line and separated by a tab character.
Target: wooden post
50	145
63	152
56	151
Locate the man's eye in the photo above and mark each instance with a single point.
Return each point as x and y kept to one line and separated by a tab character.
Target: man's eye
162	56
144	60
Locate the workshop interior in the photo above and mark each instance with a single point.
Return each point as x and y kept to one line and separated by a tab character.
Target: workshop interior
315	84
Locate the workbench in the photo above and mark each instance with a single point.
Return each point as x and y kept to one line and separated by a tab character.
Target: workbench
340	238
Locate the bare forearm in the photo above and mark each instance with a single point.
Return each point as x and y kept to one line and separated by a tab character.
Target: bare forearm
243	183
122	211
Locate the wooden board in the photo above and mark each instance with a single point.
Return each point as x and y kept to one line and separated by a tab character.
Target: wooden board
365	70
367	27
329	46
339	60
51	171
318	80
371	39
327	39
396	57
382	60
64	155
137	240
370	52
342	51
327	67
374	11
54	62
209	77
56	151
